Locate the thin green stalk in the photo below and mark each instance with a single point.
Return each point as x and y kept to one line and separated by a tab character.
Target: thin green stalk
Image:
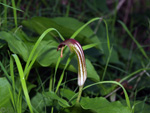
105	69
51	83
108	41
68	9
79	94
5	13
13	97
54	77
18	3
114	19
62	75
15	12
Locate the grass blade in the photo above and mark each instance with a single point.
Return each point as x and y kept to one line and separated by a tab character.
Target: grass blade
89	46
82	27
5	73
11	7
15	13
23	81
62	75
134	73
34	55
108	41
105	69
5	13
132	37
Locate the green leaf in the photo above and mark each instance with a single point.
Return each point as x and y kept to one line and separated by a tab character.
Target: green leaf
91	72
102	105
77	108
16	45
52	96
19	44
65	25
5	100
68	94
39	102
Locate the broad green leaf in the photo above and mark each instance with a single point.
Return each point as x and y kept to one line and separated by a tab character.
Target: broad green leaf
98	5
19	45
85	36
68	94
48	53
5	100
102	105
16	45
22	45
65	25
77	108
91	72
52	96
39	102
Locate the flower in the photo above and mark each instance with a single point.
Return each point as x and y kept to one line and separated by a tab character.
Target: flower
75	47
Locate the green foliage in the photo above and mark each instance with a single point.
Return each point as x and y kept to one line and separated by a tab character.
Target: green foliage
65	25
101	105
5	104
116	48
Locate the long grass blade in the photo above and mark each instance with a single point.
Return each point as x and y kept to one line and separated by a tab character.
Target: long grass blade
13	91
62	75
23	81
11	7
15	12
5	13
132	37
82	27
105	69
34	55
108	41
134	73
89	46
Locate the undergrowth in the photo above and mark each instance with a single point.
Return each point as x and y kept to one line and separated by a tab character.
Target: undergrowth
33	76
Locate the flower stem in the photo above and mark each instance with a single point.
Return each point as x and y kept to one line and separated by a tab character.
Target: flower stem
79	94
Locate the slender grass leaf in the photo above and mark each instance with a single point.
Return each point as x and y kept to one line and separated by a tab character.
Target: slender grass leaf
23	81
132	37
11	7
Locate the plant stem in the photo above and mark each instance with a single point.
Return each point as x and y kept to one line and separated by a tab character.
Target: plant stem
79	94
15	12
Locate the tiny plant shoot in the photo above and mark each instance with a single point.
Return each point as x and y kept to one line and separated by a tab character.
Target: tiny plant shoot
75	47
